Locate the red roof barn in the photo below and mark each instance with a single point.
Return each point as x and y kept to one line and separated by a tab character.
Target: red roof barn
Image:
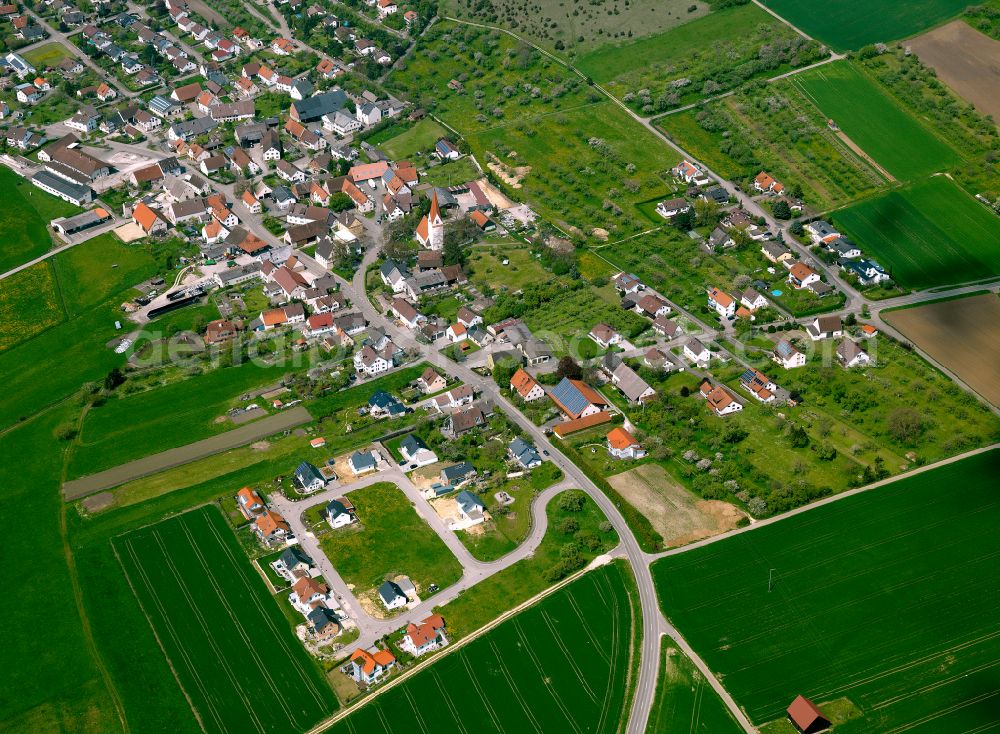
806	716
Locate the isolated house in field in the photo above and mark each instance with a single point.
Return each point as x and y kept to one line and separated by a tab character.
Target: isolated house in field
391	595
806	717
309	477
850	354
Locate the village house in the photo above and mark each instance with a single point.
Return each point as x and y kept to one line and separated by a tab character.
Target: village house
368	668
849	354
524	453
696	352
526	386
309	478
338	513
825	327
719	399
362	462
307	594
292	564
249	503
576	399
758	384
787	355
271	528
722	303
424	636
623	445
670	208
415	452
604	336
765	183
801	275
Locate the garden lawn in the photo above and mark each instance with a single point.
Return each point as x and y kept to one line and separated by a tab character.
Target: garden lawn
420	138
24	219
49	54
873	598
929	234
485	265
391	540
548	669
685	702
876	122
225	638
851	24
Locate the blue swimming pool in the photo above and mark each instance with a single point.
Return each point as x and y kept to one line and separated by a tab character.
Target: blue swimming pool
775	293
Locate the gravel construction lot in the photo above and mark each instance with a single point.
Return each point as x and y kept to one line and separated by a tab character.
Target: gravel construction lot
962	335
176	457
678	515
966	60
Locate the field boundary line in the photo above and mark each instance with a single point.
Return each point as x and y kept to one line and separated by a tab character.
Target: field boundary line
527	604
156	636
825	501
788	23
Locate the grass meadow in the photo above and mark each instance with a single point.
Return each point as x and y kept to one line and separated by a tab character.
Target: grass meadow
30	303
226	640
419	138
876	122
561	665
851	24
390	539
46	55
24	219
929	234
881	603
132	426
721	50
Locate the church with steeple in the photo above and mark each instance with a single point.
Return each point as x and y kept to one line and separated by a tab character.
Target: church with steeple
430	231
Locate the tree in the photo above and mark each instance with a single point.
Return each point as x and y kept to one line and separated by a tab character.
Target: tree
503	371
796	228
341	202
569	368
568	525
684	220
571	502
114	378
706	212
781	209
454	253
905	424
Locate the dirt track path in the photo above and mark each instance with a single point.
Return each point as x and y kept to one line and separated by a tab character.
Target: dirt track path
859	151
78	488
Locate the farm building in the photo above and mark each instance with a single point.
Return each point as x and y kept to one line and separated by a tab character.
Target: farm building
806	716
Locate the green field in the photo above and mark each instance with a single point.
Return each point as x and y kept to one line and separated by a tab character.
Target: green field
715	53
932	233
685	702
851	24
24	218
133	426
559	666
226	639
876	122
392	539
30	303
883	603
